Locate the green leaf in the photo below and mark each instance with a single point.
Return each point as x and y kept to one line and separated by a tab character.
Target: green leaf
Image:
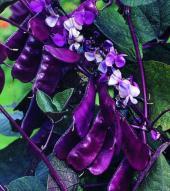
5	3
61	99
5	126
15	160
158	83
152	20
134	3
27	183
69	177
113	26
55	105
158	178
44	102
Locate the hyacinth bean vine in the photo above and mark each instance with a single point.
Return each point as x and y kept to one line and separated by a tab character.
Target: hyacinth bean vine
102	131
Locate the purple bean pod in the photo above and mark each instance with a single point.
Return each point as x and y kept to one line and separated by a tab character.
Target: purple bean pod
28	62
107	104
16	42
83	114
84	153
19	12
48	75
66	143
33	117
2	79
136	152
110	148
121	178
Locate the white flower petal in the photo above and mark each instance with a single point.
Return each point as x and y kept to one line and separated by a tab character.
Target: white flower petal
68	24
124	88
118	74
51	21
133	100
89	56
98	58
125	102
80	38
112	81
102	67
134	91
76	25
73	33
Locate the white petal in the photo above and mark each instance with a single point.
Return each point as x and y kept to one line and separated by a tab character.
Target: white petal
89	56
125	102
80	38
73	33
134	91
124	88
133	100
113	81
68	24
51	21
98	58
118	74
102	67
76	25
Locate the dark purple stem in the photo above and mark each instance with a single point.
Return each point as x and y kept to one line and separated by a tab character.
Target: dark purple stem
139	60
144	173
25	3
38	152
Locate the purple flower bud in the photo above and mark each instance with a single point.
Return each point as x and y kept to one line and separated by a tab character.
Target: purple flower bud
83	114
155	135
37	5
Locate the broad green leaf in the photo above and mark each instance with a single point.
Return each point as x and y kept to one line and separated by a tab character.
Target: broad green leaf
5	126
44	102
158	178
27	183
158	83
151	20
134	3
5	3
15	161
113	26
69	177
61	99
55	105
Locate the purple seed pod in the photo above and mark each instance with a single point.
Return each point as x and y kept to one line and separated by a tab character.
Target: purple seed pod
137	152
83	114
48	75
42	135
111	147
107	104
16	42
104	158
33	117
121	178
63	54
2	79
28	62
19	12
65	143
84	153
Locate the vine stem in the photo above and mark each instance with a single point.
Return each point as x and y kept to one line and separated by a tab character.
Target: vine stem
140	63
38	151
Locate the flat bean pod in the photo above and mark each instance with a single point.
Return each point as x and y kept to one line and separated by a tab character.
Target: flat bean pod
84	153
28	62
83	114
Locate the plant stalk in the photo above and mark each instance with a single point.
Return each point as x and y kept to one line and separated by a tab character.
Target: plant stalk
38	152
140	63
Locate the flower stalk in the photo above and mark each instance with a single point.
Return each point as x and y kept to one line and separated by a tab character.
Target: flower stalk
38	151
